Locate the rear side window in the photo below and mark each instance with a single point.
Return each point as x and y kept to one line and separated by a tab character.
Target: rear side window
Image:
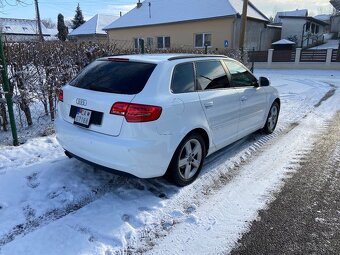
119	77
240	76
211	75
183	79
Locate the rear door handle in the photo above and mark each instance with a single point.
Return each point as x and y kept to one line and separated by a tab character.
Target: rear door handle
244	98
208	104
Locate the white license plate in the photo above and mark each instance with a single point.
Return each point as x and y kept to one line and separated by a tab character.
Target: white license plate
83	117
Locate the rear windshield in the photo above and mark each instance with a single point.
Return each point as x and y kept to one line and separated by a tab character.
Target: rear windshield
119	77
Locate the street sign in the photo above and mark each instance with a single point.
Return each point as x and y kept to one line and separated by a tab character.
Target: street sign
226	43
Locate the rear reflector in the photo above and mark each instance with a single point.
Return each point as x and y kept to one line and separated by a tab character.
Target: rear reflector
136	112
60	95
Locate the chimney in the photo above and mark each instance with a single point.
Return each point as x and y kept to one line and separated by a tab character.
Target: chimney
120	14
139	4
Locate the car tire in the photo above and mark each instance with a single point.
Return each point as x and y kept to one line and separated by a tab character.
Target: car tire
187	160
272	118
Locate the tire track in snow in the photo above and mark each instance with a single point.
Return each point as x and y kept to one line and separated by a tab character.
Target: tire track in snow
34	223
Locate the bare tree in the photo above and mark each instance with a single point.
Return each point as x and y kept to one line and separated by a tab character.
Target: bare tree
4	3
48	23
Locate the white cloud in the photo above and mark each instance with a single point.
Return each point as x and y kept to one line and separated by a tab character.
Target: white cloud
116	9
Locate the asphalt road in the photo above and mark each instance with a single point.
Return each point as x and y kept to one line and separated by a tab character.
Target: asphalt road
305	216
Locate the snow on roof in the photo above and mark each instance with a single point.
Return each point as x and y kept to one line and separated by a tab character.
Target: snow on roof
323	17
21	26
53	32
283	41
296	13
94	26
154	12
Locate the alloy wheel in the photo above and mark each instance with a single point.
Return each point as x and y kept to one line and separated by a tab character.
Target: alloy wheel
190	159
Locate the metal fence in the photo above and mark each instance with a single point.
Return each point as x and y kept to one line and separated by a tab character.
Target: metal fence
313	56
283	56
327	56
336	56
258	56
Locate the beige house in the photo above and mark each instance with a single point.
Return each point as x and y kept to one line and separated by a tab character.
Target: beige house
191	24
92	30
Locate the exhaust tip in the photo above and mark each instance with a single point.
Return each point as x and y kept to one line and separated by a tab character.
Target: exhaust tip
69	155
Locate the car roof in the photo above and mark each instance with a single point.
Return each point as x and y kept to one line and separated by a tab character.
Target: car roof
158	58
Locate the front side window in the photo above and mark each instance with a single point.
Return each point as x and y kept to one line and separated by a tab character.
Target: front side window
202	40
211	75
183	79
240	76
163	42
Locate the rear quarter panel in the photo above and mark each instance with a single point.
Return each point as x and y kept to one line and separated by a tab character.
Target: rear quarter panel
181	113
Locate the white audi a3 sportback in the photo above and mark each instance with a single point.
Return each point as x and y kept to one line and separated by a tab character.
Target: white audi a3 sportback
151	115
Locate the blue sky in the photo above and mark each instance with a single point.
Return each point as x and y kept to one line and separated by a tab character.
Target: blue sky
50	9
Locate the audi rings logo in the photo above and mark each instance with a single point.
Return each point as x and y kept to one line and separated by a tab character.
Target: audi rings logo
81	102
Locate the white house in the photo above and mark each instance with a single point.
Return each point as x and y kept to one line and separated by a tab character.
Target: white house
303	30
295	13
22	30
92	30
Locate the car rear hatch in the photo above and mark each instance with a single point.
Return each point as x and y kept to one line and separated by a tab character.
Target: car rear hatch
88	99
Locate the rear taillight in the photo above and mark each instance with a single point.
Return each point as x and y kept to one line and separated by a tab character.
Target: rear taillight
119	108
60	95
136	112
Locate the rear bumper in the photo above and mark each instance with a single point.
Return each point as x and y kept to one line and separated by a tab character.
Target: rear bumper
143	158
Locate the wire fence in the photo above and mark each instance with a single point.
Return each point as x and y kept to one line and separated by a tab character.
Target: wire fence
38	70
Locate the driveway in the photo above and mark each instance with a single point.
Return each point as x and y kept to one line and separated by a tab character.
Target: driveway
305	216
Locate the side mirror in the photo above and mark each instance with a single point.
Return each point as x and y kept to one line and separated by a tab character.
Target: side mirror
264	82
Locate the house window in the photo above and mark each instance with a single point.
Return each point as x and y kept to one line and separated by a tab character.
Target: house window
25	28
313	28
149	42
307	26
163	42
137	43
202	40
317	29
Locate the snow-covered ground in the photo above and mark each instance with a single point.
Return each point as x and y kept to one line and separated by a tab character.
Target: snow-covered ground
50	204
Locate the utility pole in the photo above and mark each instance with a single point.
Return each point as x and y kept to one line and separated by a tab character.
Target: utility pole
41	37
8	94
243	25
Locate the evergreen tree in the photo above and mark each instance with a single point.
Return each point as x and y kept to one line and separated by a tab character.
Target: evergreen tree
62	29
78	18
